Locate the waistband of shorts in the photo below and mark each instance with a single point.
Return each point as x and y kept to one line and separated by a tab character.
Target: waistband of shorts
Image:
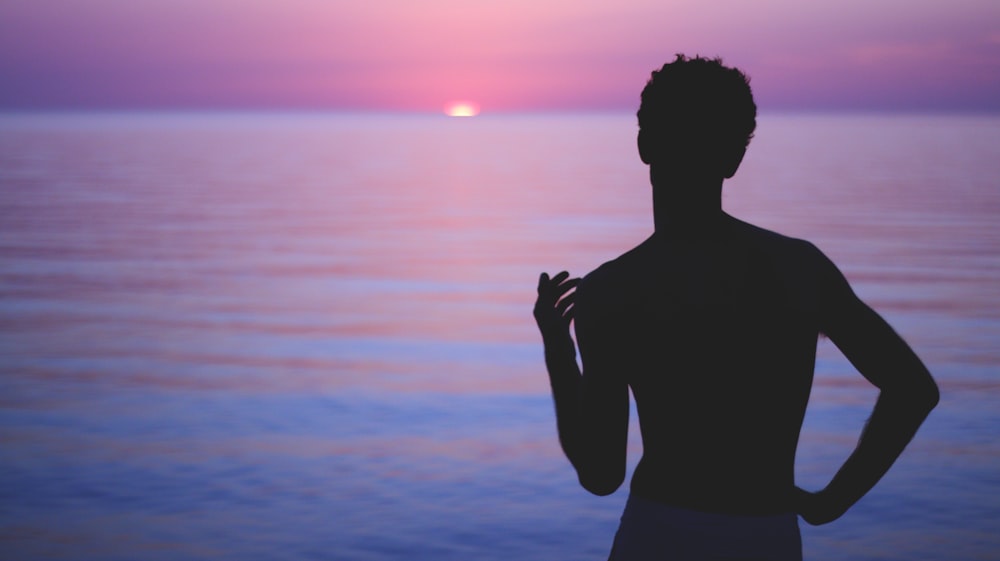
647	508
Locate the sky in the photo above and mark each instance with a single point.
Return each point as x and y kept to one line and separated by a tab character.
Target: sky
516	55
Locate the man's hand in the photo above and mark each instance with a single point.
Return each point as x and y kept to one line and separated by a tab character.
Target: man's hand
816	508
554	309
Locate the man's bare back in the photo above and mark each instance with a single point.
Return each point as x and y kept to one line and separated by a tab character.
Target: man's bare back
716	336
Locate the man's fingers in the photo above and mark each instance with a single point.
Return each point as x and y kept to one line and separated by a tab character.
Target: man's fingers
566	287
554	295
564	306
559	283
543	282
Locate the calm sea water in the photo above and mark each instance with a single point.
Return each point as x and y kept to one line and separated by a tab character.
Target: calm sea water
310	336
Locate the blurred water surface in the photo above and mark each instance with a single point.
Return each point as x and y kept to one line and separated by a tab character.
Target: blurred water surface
297	336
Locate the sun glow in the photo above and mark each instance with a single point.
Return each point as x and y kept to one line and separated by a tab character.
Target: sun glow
461	109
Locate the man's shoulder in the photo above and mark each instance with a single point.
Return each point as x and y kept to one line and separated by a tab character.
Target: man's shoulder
601	287
798	261
612	273
773	241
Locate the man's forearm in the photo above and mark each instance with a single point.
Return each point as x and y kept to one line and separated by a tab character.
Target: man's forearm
565	380
893	423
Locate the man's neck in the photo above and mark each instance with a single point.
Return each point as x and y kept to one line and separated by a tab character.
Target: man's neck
685	205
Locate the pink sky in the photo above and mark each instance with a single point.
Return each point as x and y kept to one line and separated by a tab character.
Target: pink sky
512	55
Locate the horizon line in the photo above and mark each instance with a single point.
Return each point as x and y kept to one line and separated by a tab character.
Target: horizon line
902	111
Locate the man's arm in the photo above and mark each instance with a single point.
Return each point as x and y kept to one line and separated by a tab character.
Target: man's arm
553	314
907	394
591	415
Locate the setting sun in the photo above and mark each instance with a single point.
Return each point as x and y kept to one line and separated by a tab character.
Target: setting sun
461	109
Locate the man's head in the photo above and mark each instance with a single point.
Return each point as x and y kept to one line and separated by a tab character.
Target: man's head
696	117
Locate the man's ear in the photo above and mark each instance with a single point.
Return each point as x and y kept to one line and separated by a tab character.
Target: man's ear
646	148
729	167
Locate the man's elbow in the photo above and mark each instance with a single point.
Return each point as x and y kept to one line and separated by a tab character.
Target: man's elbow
601	485
926	395
930	397
919	399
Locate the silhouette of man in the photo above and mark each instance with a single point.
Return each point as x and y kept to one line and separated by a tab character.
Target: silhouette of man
713	323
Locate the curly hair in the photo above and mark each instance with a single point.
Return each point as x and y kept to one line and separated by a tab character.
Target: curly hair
700	104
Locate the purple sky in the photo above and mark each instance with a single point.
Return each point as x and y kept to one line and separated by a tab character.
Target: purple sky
512	55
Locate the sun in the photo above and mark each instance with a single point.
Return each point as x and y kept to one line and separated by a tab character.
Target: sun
461	109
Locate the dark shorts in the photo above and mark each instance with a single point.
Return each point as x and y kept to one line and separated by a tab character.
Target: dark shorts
653	531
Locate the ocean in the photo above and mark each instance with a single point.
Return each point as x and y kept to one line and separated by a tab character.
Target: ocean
309	336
